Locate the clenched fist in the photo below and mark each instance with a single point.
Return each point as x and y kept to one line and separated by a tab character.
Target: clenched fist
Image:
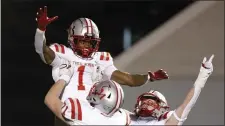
43	20
158	75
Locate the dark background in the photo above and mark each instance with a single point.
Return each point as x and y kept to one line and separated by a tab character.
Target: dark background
26	79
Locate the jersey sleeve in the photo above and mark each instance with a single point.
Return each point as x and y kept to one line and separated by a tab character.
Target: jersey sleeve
57	49
106	62
61	52
166	116
128	117
71	111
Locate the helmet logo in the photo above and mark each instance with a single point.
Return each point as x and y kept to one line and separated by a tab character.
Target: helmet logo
101	93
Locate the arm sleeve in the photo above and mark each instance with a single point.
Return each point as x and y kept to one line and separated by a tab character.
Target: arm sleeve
39	42
191	103
189	106
107	62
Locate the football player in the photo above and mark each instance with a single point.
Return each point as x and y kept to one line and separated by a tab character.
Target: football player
90	65
103	107
152	108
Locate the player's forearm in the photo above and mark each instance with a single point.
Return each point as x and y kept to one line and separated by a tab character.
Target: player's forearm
138	79
129	79
190	100
52	98
46	54
182	112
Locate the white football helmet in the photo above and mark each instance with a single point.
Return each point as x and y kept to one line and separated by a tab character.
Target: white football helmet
83	29
107	96
151	111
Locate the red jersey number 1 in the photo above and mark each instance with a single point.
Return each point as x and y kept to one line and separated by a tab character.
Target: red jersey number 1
80	78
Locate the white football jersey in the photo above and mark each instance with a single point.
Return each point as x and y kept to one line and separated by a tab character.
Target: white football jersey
86	72
149	120
77	112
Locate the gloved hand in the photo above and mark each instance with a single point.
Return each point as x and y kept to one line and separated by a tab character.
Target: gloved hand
158	75
206	70
43	20
66	71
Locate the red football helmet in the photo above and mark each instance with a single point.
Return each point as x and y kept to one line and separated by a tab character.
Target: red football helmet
83	29
151	104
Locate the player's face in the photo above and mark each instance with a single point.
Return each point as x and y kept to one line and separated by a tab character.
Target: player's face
149	104
84	44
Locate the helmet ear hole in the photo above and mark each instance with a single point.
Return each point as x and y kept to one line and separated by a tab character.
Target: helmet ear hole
94	99
109	96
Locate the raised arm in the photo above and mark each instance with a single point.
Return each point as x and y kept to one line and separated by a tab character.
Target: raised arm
46	53
181	113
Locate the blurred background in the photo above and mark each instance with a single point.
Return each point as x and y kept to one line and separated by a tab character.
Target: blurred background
173	35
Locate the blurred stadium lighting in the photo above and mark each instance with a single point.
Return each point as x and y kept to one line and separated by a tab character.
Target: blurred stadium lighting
126	38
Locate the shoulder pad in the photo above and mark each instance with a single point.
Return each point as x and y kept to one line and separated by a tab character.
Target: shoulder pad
103	56
60	48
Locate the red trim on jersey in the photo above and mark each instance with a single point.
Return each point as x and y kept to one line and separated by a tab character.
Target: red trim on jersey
56	48
62	49
107	56
64	104
79	110
165	115
64	111
91	26
72	108
102	56
86	25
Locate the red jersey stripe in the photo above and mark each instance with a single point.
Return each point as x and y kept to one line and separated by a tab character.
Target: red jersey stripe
72	108
79	110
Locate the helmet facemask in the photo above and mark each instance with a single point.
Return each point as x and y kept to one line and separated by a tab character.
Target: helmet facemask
149	105
84	52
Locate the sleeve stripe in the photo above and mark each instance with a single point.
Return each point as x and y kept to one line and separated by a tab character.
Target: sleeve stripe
62	49
72	108
65	111
165	115
79	110
59	48
102	56
56	48
64	104
105	56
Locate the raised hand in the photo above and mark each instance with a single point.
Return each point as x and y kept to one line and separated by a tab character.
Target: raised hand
43	20
206	70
